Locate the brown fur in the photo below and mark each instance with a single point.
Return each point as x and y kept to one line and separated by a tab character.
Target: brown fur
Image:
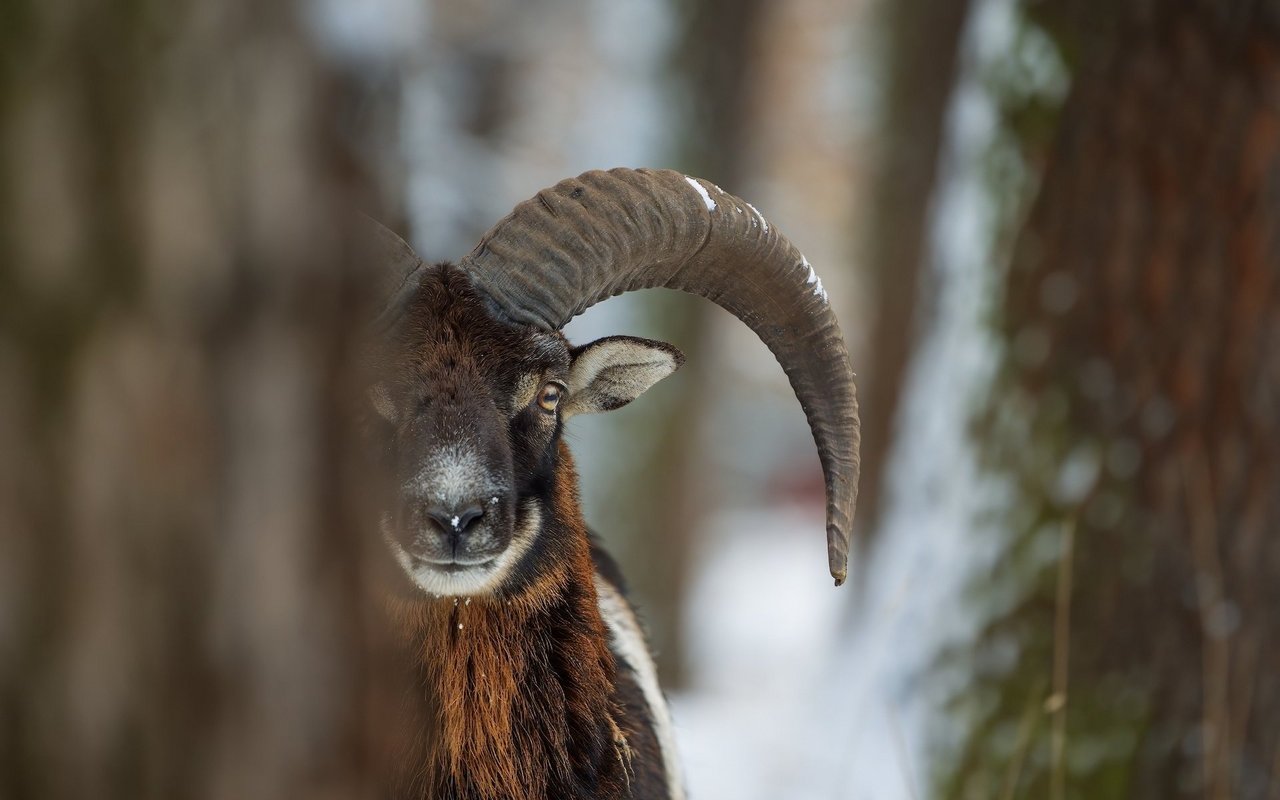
515	693
506	712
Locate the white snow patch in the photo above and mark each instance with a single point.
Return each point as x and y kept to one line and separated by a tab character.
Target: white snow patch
813	280
764	223
761	621
706	198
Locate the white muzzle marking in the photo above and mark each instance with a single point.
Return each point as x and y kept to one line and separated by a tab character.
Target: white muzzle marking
477	579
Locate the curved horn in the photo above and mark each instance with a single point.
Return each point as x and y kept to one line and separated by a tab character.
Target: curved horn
604	233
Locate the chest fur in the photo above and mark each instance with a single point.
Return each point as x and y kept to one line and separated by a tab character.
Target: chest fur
519	699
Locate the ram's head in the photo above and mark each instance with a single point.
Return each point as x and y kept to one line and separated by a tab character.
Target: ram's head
478	379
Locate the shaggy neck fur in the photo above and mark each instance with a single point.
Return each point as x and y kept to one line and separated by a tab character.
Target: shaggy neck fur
519	688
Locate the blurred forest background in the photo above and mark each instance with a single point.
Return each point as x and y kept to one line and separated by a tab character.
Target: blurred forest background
1051	230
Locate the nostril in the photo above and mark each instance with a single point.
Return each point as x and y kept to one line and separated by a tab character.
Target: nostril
469	515
455	520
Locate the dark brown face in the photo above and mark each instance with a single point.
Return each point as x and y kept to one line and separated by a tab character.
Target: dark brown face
471	411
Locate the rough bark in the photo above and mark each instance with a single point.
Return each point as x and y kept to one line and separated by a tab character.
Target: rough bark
1143	317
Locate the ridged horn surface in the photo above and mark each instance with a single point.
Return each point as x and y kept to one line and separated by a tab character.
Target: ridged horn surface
603	233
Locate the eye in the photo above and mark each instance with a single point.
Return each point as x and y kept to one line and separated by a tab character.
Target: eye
549	396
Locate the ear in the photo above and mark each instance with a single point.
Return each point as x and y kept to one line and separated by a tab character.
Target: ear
611	372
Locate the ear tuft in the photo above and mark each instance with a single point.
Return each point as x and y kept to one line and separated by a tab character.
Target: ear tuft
611	372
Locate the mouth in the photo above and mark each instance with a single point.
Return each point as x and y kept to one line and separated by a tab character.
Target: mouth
445	576
452	566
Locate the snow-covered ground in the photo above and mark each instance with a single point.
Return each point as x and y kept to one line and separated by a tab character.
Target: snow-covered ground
762	621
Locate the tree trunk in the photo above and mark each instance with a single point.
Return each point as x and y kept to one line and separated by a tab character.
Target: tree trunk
1143	320
922	41
182	603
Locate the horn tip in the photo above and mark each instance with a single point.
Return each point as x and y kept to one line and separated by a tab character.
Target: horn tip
838	553
839	563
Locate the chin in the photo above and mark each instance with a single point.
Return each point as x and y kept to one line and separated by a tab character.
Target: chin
467	580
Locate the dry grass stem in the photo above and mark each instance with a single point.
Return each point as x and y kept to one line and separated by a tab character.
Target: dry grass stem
1061	662
1026	731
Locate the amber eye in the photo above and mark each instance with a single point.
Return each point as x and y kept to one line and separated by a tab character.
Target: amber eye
549	396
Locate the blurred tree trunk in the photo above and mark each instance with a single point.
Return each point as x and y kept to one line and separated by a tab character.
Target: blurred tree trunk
182	602
1143	314
921	46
